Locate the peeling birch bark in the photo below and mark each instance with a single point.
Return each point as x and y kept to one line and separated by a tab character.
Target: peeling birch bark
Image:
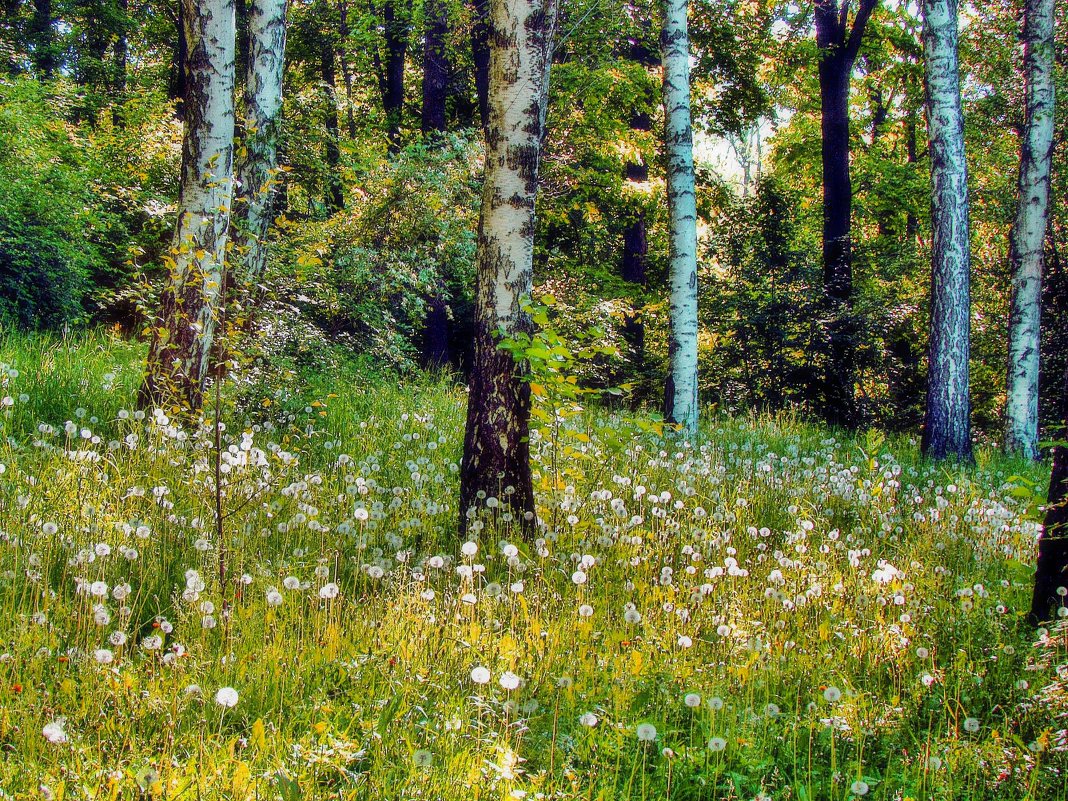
947	422
496	461
1027	239
184	329
680	392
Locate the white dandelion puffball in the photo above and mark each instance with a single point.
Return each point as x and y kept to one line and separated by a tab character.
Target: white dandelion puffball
715	703
859	787
831	694
717	744
103	656
480	675
578	577
274	598
329	591
692	700
589	719
632	616
226	697
55	732
509	680
646	732
422	758
971	725
585	610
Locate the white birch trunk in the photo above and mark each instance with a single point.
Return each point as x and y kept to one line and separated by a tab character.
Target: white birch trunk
947	424
1026	242
680	395
496	461
258	169
184	331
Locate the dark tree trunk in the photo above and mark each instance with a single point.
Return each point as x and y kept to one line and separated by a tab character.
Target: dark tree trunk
241	47
839	398
346	72
912	225
1052	568
885	217
43	38
92	66
838	44
436	351
634	266
635	258
121	50
480	55
176	89
335	195
435	67
1054	333
879	116
10	25
392	77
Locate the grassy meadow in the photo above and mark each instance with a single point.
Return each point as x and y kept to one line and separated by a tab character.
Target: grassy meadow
778	612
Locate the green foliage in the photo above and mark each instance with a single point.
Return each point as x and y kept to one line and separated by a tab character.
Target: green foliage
553	362
77	200
89	152
760	308
367	274
45	260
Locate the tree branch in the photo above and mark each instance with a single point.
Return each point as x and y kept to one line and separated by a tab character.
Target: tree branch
860	22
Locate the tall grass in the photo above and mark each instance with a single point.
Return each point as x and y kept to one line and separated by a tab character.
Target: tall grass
777	612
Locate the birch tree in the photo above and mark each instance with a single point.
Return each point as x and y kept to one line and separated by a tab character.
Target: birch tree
496	460
184	328
680	392
258	168
1027	239
947	421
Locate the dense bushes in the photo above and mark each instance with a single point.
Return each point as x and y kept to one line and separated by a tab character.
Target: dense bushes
45	259
370	274
77	202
